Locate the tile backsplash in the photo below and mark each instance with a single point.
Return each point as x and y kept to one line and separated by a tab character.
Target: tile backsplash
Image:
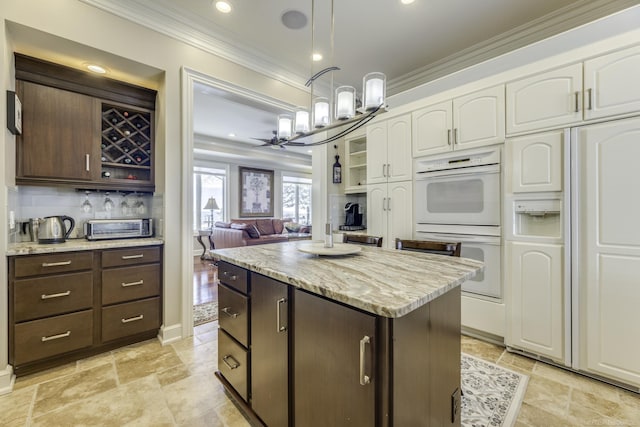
38	202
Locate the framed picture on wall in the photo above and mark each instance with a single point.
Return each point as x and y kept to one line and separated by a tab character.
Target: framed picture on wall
256	192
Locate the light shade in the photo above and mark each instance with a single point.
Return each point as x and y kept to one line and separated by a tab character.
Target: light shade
374	87
301	122
321	112
285	126
345	105
211	204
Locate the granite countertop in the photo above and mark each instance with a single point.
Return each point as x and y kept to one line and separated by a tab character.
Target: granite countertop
386	282
30	248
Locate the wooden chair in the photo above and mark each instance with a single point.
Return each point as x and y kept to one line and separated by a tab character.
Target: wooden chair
442	248
362	239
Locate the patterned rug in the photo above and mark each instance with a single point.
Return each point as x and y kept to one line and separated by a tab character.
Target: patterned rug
203	313
492	394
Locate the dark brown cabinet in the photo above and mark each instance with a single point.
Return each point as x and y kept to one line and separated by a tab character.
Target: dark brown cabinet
65	306
81	131
270	350
334	381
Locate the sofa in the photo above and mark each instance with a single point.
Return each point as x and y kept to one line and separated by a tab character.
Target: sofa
249	232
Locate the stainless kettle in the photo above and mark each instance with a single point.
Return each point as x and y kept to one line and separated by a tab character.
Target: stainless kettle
52	229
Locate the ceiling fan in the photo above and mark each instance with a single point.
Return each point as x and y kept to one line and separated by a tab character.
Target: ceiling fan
276	143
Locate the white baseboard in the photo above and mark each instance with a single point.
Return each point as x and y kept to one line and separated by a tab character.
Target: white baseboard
170	334
7	379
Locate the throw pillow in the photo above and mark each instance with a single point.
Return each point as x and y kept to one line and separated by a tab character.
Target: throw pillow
292	227
265	226
222	224
250	229
278	226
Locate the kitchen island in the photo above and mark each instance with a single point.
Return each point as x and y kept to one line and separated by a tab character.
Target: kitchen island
368	339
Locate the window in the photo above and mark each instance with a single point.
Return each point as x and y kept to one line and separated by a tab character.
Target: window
296	199
208	183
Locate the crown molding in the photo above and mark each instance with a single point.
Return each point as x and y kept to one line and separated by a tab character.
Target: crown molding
547	26
172	25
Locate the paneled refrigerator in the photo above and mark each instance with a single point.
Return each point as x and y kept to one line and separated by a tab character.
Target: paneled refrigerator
572	248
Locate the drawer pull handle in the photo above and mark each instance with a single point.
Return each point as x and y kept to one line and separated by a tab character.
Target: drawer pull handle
56	337
133	319
139	282
61	294
235	364
132	256
56	264
232	277
364	379
279	327
226	311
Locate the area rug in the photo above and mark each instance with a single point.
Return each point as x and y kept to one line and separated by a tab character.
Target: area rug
203	313
492	394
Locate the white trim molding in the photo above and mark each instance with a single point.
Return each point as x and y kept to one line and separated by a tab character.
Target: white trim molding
7	380
171	334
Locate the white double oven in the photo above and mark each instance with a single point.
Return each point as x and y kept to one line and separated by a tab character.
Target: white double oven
457	198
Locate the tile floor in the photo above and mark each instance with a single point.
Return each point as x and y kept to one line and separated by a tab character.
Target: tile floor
150	385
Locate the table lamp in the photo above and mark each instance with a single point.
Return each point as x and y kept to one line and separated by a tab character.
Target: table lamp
211	204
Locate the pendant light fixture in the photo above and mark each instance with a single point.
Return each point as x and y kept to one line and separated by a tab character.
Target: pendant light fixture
339	113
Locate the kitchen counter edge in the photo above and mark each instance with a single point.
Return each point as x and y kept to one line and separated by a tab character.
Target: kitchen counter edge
73	245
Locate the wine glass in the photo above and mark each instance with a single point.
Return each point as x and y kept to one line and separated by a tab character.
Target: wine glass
124	206
86	205
140	208
108	203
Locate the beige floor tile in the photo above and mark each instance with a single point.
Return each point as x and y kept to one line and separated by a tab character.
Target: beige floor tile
534	416
194	398
138	403
173	375
231	415
140	361
72	388
547	394
91	362
577	381
516	362
481	349
15	407
47	375
203	353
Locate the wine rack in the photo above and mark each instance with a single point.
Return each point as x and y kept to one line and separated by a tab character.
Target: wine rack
126	143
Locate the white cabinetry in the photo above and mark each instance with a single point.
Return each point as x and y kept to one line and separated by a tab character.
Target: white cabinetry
536	310
606	269
561	97
355	163
610	83
390	212
546	100
535	162
389	150
469	121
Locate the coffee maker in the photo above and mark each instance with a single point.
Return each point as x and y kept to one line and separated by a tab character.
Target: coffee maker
353	215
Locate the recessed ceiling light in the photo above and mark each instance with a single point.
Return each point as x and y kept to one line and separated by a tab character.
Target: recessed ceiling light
294	19
223	6
95	68
406	1
309	151
232	135
316	57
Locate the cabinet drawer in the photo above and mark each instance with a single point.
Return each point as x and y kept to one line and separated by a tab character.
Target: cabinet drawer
34	265
130	256
233	276
56	335
130	283
130	318
234	314
47	296
232	364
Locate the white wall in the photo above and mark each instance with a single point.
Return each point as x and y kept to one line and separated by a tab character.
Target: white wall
73	20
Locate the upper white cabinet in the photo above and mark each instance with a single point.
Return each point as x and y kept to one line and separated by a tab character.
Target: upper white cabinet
561	97
545	100
469	121
355	163
389	151
610	84
534	162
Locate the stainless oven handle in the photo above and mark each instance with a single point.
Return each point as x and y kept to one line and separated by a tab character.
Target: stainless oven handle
472	170
464	238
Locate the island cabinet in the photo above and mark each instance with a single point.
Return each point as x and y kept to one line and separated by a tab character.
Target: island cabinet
70	305
312	361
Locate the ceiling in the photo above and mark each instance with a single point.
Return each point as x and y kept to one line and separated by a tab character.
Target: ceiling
412	44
